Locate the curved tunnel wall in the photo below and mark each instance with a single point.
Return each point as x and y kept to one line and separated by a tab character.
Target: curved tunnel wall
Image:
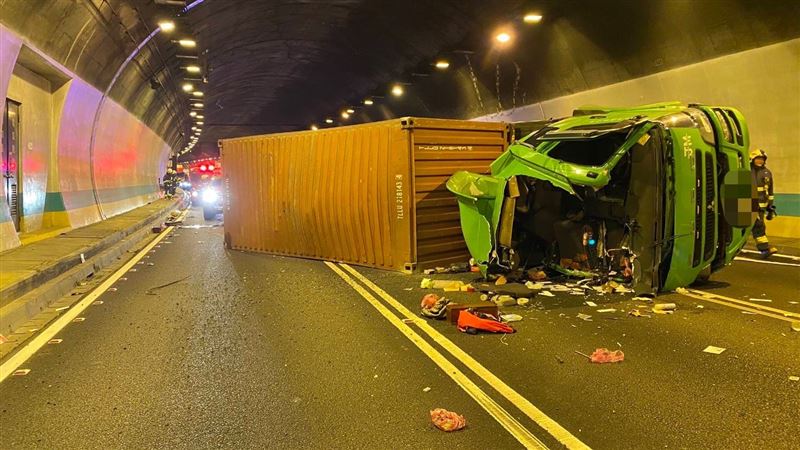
57	161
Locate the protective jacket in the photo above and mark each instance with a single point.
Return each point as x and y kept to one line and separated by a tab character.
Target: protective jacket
762	179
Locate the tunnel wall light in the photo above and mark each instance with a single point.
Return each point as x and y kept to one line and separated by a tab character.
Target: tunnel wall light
350	110
368	102
503	37
192	114
193	69
188	43
187	87
197	94
197	105
345	115
166	25
314	128
532	18
397	90
329	120
442	64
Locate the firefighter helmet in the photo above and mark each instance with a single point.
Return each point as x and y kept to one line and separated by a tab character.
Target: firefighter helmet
758	153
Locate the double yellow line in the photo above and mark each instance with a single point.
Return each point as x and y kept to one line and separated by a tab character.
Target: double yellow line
522	434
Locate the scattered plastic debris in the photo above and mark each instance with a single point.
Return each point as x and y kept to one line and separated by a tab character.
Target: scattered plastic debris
589	303
585	317
447	420
534	286
522	301
641	298
112	289
794	378
796	325
607	310
428	300
471	322
79	319
714	350
501	280
681	290
538	275
97	302
447	285
55	341
510	317
637	313
21	372
664	308
435	310
504	300
547	294
604	355
427	389
763	300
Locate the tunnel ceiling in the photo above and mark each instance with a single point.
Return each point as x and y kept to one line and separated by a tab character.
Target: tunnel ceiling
270	66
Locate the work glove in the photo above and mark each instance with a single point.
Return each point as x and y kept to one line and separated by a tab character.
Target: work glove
771	213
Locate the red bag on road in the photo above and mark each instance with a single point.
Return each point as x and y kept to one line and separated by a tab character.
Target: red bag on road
470	322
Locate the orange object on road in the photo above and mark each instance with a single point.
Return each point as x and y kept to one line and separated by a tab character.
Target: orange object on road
447	420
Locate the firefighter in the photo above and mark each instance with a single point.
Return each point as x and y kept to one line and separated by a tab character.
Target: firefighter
762	179
169	183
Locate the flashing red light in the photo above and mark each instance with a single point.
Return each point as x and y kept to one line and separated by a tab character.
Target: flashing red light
203	168
211	167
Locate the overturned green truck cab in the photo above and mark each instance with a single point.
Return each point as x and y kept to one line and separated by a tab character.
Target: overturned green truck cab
660	194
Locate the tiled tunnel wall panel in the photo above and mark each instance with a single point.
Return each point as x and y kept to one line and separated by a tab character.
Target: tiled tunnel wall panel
438	153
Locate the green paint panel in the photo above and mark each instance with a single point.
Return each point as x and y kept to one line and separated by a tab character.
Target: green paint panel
787	204
54	202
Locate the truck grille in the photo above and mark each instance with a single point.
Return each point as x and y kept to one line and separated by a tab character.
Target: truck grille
698	207
708	241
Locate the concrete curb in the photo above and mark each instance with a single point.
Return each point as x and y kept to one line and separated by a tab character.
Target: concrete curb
33	295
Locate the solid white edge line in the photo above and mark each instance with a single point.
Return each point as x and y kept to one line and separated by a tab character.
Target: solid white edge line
763	261
516	429
31	347
781	255
560	433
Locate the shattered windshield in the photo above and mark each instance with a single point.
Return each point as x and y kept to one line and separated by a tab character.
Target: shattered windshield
591	152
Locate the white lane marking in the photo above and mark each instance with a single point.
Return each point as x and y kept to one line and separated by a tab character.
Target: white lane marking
767	311
40	340
764	261
505	419
796	258
551	426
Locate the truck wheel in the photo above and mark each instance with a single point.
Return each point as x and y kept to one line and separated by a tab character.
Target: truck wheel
703	276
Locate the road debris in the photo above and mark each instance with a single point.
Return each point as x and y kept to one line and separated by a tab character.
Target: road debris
714	350
607	310
504	300
585	317
796	325
427	389
501	280
21	372
763	300
447	420
470	322
523	301
446	285
433	306
664	308
510	317
589	303
794	378
637	313
547	294
152	290
604	355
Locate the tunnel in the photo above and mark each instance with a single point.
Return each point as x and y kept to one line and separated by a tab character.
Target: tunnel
246	200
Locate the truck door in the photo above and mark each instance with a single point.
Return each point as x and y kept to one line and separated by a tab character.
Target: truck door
10	167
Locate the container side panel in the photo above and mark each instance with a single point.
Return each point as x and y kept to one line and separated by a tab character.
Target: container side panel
331	194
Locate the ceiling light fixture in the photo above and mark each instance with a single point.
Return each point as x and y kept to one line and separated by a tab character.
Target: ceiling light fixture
200	116
397	90
532	18
314	128
368	102
345	115
166	25
188	43
350	110
200	122
442	64
197	94
187	87
193	69
192	114
328	120
197	105
503	37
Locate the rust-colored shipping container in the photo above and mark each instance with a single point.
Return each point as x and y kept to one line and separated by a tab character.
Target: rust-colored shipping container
371	194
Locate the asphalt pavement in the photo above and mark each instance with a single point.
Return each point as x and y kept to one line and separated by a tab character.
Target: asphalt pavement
260	351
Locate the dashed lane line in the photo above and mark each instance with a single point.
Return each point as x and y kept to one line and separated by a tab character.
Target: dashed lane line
743	305
31	347
520	433
560	433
